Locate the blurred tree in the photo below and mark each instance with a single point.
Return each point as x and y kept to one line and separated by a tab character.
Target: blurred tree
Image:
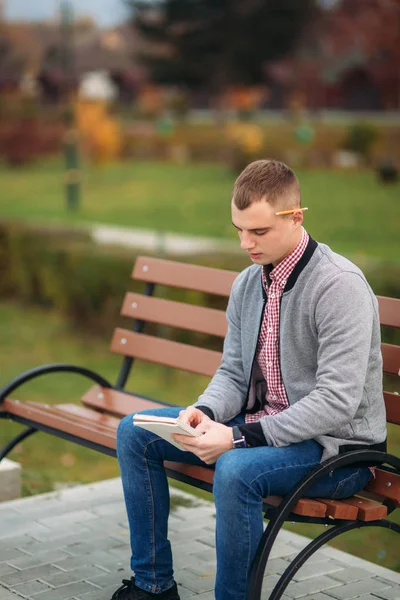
11	64
361	40
373	25
214	43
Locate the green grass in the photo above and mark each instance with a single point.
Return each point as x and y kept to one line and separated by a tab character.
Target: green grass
348	210
31	337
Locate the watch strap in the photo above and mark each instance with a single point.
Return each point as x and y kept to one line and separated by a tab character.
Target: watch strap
238	439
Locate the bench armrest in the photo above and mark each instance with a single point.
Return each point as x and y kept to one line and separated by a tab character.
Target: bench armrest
369	457
54	368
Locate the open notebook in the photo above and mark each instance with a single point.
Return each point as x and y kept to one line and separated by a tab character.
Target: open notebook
164	426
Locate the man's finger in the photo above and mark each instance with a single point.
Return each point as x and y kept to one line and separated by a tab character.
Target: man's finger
188	440
204	426
184	415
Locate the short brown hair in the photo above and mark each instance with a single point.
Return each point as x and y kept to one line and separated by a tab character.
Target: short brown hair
267	179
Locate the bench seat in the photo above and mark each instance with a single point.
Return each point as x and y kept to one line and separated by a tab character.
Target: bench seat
100	428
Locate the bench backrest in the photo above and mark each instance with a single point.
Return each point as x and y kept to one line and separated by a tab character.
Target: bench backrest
389	313
148	308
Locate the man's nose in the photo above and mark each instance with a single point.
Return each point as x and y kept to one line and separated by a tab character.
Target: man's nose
247	241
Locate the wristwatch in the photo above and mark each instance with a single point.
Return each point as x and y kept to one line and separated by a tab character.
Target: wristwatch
238	439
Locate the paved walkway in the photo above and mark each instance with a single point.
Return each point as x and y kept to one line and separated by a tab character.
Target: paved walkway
173	244
73	545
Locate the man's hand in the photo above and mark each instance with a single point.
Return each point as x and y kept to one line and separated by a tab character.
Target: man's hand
193	416
216	440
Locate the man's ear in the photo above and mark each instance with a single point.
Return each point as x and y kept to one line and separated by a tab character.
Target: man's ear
298	219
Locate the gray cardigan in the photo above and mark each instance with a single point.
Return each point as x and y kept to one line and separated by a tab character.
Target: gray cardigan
330	356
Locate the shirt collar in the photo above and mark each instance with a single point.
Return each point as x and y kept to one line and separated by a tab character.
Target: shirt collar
280	274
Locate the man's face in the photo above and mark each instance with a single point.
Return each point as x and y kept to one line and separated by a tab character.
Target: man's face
266	238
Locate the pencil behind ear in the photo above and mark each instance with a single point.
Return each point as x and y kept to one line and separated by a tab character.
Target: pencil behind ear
290	212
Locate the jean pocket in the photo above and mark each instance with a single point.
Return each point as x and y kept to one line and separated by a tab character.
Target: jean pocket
350	485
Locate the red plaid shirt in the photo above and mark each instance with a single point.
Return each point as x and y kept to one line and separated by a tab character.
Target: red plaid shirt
268	340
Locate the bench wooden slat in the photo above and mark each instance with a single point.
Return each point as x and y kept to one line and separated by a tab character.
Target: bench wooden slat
89	415
336	509
391	359
52	417
392	403
101	429
201	473
306	507
175	314
114	402
92	418
385	485
367	509
181	275
166	352
389	311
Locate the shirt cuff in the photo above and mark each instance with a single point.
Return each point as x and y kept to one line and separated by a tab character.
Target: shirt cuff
253	434
207	411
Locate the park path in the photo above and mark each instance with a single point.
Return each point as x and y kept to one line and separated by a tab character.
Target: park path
74	545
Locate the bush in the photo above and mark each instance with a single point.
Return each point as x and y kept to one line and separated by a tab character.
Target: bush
99	130
26	133
66	272
21	142
387	172
214	142
63	272
360	138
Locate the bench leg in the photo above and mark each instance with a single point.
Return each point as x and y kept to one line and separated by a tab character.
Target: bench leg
264	549
12	443
313	546
261	558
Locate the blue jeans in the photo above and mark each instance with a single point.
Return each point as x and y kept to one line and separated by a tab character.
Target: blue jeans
242	478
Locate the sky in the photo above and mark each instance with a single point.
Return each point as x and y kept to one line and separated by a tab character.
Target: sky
105	12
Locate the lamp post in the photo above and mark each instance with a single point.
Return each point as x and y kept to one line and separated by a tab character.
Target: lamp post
72	175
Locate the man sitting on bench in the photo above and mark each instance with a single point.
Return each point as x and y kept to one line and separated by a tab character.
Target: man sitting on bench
300	381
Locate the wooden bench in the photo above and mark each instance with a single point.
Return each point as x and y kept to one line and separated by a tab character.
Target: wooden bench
94	422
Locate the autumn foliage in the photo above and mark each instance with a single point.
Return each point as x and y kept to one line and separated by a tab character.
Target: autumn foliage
100	133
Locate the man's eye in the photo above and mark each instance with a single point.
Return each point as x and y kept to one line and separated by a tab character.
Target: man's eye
261	232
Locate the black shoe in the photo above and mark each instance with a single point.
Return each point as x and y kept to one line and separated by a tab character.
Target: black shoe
129	591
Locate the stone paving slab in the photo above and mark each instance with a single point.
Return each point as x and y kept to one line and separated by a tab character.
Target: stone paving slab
74	545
